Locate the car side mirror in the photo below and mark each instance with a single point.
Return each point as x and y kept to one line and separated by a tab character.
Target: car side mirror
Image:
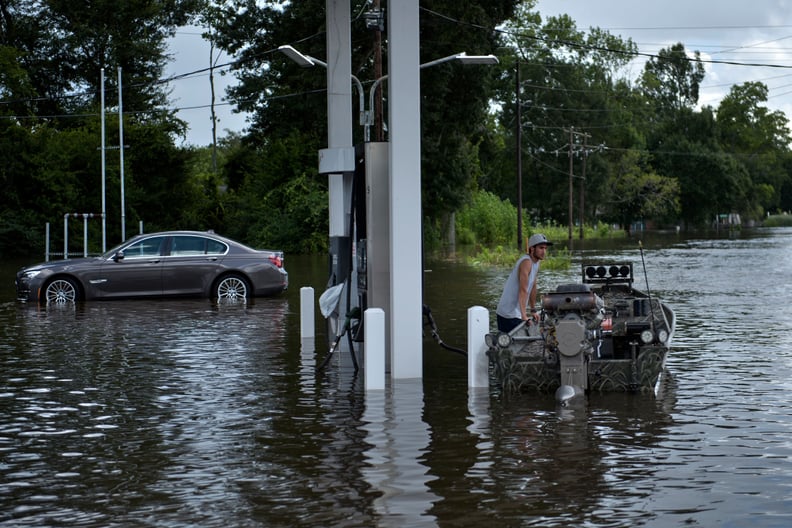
119	255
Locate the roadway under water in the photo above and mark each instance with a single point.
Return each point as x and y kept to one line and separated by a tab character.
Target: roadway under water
184	413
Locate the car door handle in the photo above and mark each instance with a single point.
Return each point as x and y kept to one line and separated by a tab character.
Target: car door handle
211	259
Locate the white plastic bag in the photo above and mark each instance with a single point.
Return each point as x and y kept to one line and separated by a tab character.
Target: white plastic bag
328	301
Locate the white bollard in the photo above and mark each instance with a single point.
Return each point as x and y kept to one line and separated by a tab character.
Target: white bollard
307	329
374	353
478	365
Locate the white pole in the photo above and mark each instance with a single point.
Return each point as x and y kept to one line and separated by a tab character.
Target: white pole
46	242
66	236
121	152
307	329
85	235
478	327
406	329
374	357
104	207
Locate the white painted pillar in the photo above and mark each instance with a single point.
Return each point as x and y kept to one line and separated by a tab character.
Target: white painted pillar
478	365
374	356
307	327
338	159
404	115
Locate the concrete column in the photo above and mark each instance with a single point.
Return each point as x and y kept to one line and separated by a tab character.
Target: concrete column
307	325
478	364
404	116
374	357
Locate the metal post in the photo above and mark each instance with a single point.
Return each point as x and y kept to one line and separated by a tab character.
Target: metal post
85	235
104	207
66	236
46	242
121	153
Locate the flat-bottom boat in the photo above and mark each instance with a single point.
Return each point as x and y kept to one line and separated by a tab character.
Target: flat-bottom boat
598	335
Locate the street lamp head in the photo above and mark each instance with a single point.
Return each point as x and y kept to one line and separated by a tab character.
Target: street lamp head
304	61
464	58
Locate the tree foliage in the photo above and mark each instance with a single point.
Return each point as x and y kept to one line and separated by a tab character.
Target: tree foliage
560	104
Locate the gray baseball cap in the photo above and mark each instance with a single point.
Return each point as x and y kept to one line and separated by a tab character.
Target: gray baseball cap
538	238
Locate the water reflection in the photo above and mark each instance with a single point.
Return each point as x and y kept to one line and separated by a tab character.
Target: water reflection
399	439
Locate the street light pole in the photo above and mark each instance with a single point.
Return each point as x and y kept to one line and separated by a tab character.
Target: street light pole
307	61
462	57
367	117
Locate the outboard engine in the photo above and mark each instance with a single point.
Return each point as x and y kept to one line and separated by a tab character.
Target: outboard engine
575	314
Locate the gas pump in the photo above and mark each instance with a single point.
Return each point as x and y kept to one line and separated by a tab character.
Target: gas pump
372	229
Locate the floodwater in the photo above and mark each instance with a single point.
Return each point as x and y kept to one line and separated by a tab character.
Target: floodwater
183	413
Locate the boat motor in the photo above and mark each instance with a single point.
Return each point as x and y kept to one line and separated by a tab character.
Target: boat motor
574	314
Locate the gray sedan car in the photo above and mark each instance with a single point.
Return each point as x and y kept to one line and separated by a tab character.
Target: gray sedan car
167	264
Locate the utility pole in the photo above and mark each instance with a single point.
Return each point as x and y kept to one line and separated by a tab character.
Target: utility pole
212	114
572	136
378	135
571	146
518	140
583	182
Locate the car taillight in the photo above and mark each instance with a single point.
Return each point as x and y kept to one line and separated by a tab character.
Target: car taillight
277	260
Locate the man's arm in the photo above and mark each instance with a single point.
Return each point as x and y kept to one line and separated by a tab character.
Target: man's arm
523	296
532	300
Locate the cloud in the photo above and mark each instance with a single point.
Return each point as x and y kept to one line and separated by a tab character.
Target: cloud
758	33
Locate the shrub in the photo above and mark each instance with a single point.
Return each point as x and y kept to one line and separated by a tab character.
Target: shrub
782	220
487	220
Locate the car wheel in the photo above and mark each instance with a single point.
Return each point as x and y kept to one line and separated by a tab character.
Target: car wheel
232	288
61	291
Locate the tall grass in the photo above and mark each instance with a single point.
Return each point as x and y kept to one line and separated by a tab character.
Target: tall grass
506	257
490	225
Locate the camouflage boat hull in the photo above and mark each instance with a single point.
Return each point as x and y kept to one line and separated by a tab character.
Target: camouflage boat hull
600	335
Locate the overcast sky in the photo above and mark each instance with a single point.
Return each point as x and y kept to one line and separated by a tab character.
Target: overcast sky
742	31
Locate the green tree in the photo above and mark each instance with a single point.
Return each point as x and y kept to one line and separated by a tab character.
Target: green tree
286	101
567	81
637	194
672	78
50	59
760	138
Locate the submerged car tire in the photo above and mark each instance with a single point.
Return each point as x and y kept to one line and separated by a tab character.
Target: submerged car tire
232	288
61	291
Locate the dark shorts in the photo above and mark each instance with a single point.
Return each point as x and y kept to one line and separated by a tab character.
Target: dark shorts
507	325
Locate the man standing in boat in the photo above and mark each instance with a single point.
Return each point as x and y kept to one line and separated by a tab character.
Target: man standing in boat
519	292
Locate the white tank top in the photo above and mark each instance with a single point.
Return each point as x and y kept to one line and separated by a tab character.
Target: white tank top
509	304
